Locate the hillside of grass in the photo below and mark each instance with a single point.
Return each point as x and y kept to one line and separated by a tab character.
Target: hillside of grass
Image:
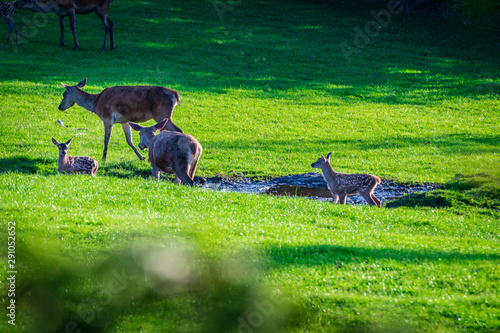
265	88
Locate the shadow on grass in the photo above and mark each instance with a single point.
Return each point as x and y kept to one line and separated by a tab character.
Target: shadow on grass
255	47
314	255
27	165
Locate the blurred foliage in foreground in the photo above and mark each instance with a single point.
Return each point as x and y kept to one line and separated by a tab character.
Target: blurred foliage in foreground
193	292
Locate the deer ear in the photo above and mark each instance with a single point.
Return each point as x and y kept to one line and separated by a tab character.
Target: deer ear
161	124
64	85
82	83
135	126
69	141
54	141
329	156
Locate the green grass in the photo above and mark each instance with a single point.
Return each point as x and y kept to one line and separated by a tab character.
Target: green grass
265	93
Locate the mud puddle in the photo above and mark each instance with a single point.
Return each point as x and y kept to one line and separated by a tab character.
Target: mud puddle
309	185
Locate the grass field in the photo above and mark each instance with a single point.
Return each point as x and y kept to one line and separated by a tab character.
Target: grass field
265	88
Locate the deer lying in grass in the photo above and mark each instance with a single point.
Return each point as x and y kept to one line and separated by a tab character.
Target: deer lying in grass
170	152
341	185
69	164
122	104
7	13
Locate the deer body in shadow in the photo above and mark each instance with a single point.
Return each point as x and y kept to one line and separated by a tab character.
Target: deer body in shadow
70	8
7	13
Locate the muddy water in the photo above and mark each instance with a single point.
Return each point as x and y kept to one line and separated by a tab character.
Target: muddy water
310	185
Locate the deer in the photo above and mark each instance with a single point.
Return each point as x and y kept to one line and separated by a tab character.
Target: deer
7	13
341	185
69	164
63	8
123	104
171	152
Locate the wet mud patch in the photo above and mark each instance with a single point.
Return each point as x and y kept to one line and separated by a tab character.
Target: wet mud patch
310	185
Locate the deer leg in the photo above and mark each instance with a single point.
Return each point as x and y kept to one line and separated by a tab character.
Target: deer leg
375	199
111	41
194	164
104	20
128	135
343	197
72	25
108	128
368	198
61	25
335	197
184	177
155	172
10	31
14	25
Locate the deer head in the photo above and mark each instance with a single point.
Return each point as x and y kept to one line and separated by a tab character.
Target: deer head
70	94
63	147
322	161
148	133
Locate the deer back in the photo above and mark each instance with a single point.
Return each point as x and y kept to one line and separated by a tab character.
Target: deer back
170	149
136	103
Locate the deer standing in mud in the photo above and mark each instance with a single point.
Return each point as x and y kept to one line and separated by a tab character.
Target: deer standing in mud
69	164
170	152
122	104
7	13
341	185
64	8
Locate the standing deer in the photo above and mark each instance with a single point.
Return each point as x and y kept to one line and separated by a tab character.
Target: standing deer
64	8
122	104
7	12
170	152
341	185
69	164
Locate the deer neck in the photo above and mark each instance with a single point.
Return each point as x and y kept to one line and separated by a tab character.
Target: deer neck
328	174
63	162
86	100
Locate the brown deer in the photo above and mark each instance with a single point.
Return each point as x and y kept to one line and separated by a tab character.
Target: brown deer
7	12
64	8
170	152
122	104
69	164
341	185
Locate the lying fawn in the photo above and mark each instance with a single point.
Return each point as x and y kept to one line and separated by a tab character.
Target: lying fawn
170	152
69	164
341	185
7	13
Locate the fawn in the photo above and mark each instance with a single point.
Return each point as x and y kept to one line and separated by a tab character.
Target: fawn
69	164
341	185
170	152
7	13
